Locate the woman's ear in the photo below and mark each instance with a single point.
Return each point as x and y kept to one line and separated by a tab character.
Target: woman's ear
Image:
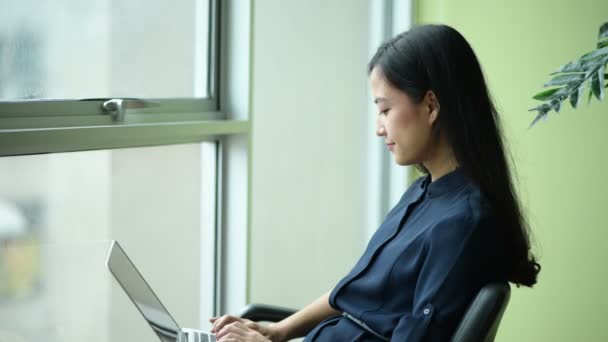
432	106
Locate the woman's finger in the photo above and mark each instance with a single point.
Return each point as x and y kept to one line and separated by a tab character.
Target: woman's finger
219	323
232	330
239	332
254	326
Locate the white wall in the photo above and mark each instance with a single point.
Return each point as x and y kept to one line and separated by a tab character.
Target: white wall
308	148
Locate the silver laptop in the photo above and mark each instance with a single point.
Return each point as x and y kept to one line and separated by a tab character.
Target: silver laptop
148	304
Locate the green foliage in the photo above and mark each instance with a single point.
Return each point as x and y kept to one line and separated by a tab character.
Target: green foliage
570	80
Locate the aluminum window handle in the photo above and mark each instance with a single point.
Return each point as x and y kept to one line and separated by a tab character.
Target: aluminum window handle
118	107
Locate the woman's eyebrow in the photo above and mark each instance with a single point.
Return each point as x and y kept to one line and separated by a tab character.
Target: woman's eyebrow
380	99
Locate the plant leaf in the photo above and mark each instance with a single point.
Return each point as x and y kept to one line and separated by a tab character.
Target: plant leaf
596	83
565	79
603	31
569	67
542	113
545	107
545	94
556	105
580	66
575	97
569	80
594	54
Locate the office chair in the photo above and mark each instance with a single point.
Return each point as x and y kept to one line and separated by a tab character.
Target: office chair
479	323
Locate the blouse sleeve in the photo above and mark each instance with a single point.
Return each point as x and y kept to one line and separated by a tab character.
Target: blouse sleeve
454	269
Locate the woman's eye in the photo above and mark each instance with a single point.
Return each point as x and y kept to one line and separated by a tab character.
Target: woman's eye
383	112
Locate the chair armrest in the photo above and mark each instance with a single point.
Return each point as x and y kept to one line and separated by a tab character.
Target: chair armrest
266	313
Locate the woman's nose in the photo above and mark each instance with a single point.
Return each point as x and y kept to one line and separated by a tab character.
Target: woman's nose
380	130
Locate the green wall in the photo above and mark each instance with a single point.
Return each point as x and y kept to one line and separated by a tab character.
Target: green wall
561	162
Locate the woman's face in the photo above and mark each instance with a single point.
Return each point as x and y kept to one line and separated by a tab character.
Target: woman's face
405	125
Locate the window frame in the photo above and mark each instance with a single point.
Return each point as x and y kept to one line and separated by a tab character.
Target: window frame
51	126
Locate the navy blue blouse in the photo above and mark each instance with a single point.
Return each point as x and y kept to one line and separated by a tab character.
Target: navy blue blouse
423	266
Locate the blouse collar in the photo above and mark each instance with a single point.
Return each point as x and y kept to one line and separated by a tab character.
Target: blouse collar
444	184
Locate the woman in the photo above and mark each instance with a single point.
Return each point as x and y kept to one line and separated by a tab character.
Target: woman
453	231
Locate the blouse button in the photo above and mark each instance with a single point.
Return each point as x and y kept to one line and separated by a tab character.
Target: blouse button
426	311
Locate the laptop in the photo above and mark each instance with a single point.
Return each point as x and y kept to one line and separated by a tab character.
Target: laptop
148	304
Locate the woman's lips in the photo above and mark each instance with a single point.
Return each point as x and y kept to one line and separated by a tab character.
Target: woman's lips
390	146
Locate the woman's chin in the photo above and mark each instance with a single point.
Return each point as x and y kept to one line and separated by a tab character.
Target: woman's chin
402	161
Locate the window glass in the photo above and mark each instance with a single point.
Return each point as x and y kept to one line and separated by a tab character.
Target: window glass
159	202
72	49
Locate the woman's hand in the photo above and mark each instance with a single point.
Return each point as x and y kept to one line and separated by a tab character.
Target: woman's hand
239	332
230	328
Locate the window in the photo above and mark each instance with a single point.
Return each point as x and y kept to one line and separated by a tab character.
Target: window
111	127
108	63
105	49
58	212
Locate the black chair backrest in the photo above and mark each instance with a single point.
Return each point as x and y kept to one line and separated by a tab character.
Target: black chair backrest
265	313
481	320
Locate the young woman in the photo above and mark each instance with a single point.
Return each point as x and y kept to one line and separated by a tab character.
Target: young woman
452	232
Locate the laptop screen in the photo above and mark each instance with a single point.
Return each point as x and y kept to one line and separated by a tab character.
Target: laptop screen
141	294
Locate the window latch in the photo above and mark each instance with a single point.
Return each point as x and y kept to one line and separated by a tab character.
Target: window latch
118	107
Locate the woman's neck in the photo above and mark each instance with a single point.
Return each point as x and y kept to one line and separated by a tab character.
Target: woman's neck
442	162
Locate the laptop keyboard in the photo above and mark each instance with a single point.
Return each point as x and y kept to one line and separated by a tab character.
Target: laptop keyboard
202	337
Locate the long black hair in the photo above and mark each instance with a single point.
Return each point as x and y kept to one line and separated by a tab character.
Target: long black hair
438	58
